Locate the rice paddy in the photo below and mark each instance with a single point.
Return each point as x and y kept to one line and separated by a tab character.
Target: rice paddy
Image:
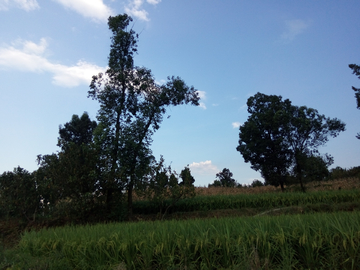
316	241
261	240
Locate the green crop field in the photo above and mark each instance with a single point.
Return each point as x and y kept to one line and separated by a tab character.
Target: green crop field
315	241
324	238
262	201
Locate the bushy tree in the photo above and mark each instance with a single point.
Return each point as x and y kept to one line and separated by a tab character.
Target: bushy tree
132	106
262	138
277	137
256	183
19	195
163	188
224	179
313	167
78	131
338	172
71	174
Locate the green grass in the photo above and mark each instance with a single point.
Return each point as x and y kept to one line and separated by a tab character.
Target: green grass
263	201
311	241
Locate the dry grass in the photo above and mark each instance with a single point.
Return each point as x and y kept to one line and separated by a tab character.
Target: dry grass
346	184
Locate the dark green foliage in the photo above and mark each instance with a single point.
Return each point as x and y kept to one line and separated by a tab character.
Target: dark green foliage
71	174
278	138
187	179
338	173
262	138
314	168
257	183
163	189
78	131
224	179
356	71
19	195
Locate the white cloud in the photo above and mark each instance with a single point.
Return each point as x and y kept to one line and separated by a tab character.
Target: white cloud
33	48
26	5
202	95
153	2
94	9
134	8
293	29
203	168
236	124
31	59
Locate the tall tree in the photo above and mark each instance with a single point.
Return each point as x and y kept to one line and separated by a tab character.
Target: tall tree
307	131
356	71
132	106
262	138
278	136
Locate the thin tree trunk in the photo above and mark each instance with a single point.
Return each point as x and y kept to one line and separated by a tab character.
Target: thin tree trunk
299	174
132	172
111	180
282	186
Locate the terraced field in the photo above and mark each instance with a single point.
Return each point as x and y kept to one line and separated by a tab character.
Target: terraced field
218	229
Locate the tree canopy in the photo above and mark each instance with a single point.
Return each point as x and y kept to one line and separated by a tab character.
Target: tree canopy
278	137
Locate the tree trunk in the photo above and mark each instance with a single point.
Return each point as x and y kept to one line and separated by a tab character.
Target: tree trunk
132	172
299	174
130	197
282	186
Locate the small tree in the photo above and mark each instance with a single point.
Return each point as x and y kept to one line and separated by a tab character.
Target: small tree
163	188
224	179
257	183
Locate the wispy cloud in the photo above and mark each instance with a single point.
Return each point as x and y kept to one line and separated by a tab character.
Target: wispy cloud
94	9
26	5
236	124
30	58
134	8
202	95
293	29
203	168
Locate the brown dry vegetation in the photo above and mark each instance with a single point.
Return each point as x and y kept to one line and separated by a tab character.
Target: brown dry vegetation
346	184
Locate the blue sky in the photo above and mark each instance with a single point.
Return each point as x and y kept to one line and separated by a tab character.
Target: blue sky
228	50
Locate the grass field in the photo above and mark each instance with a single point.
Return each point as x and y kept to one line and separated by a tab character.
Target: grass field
221	228
311	241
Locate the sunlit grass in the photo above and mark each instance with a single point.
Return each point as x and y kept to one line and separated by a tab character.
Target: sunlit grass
285	242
